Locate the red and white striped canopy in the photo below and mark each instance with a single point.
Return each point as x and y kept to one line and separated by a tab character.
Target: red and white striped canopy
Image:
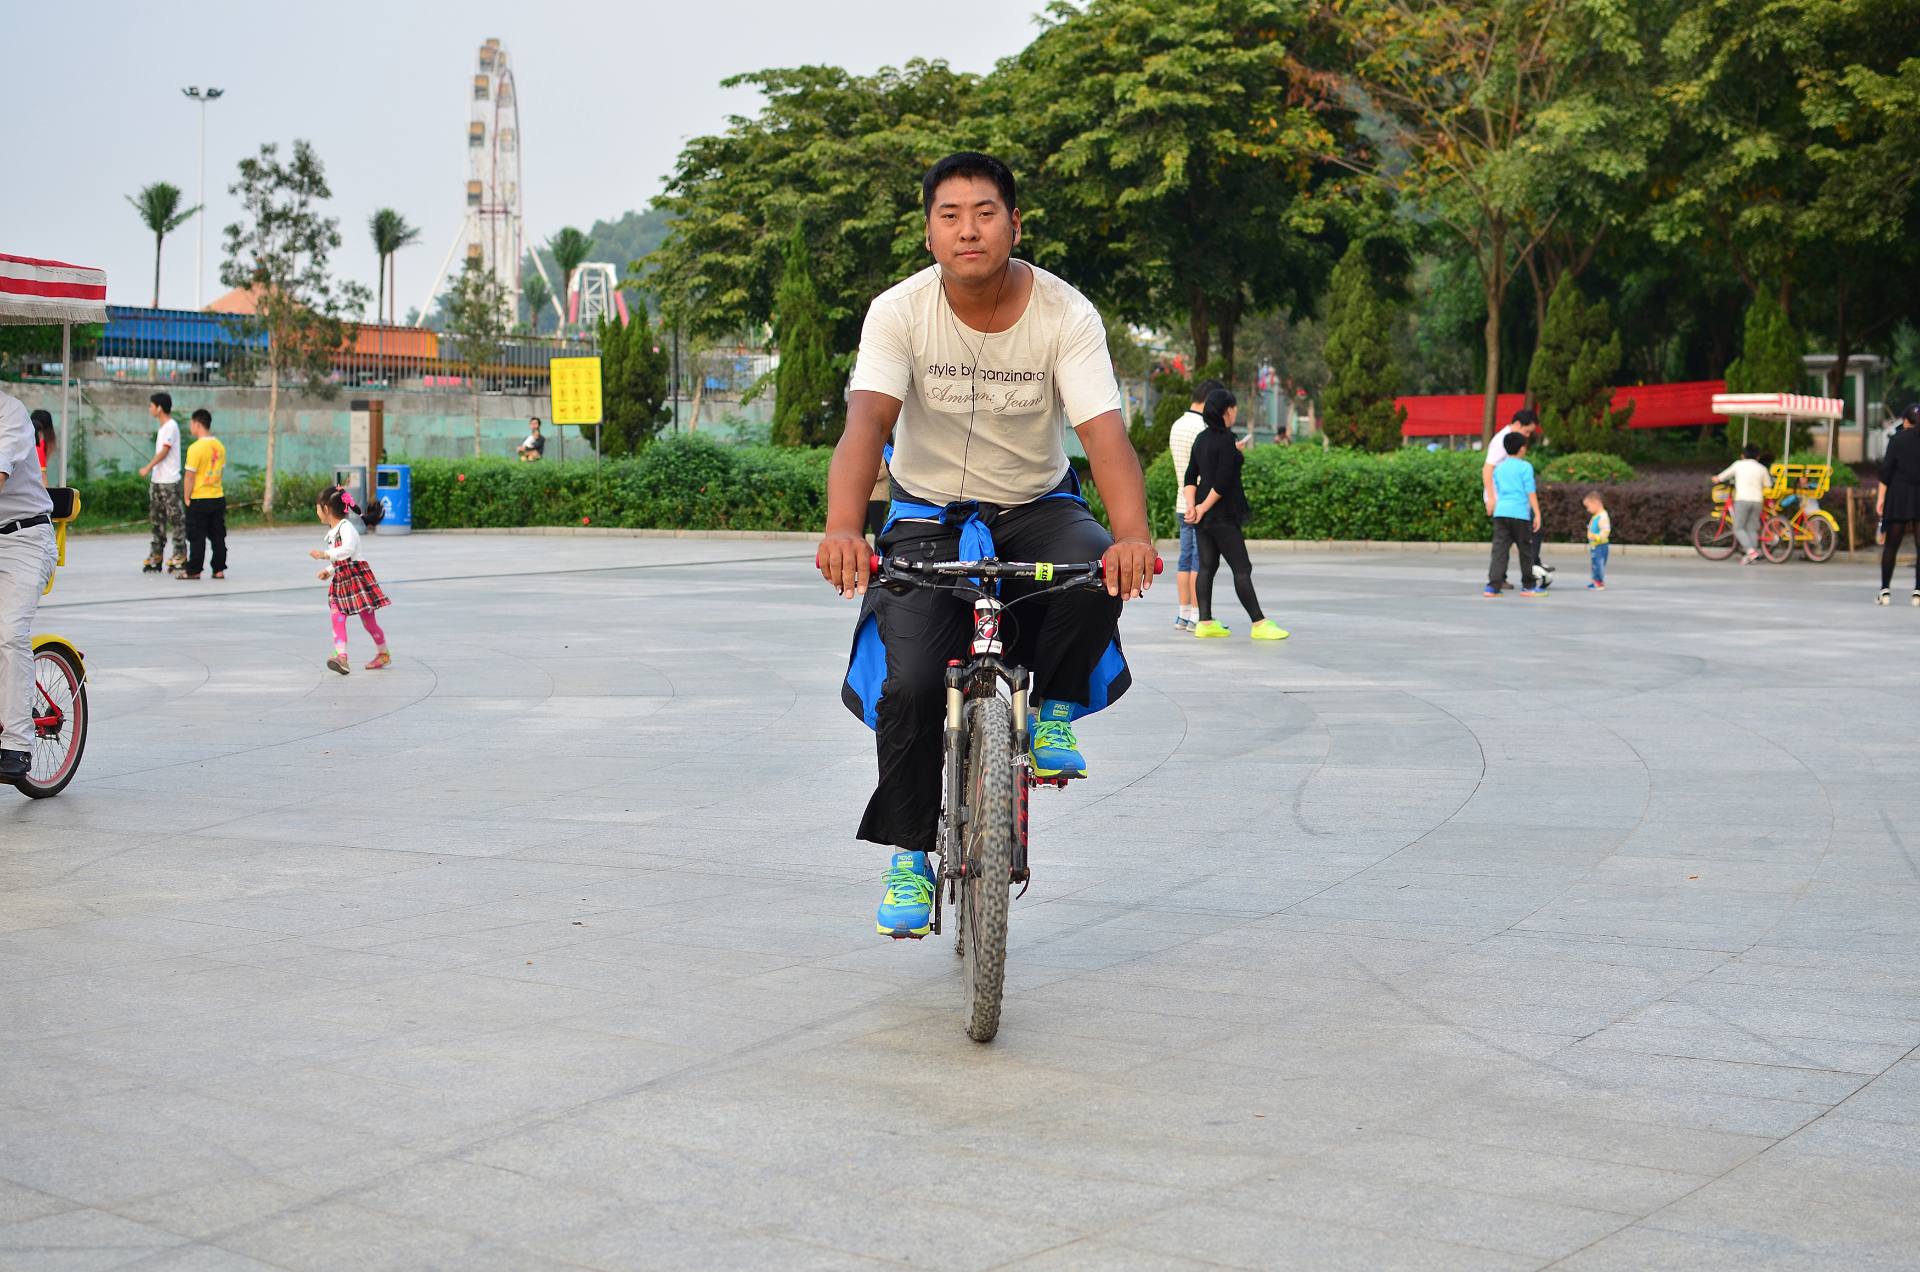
36	291
1779	406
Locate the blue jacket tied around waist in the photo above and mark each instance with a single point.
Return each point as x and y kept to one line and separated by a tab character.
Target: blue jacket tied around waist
867	667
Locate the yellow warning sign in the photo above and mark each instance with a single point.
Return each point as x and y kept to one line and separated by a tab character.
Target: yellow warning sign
576	390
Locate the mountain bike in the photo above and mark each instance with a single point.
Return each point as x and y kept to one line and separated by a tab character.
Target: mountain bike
984	831
59	685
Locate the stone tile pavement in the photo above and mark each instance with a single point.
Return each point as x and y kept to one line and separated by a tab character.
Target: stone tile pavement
1581	934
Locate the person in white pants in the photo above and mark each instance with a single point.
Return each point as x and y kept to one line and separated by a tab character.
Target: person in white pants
26	563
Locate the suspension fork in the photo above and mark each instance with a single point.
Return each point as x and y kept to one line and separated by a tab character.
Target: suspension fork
953	832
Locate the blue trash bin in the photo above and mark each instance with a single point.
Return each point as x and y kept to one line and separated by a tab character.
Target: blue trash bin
393	486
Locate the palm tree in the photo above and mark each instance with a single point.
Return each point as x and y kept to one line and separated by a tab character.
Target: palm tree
570	248
534	292
159	209
390	233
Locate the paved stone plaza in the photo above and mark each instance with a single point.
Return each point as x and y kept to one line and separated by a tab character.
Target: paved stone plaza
1581	933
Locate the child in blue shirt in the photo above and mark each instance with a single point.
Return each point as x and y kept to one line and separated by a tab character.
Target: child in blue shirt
1516	515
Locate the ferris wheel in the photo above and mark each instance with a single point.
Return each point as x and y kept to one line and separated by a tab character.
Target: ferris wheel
493	233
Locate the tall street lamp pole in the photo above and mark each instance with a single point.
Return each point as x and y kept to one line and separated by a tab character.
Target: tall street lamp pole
202	96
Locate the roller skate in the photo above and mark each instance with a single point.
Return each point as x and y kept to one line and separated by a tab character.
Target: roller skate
152	566
178	565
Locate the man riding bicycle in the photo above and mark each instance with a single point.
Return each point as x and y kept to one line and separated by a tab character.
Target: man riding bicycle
970	365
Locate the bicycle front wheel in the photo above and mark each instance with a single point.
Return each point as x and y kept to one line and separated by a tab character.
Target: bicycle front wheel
1822	539
987	858
1776	539
1713	538
59	724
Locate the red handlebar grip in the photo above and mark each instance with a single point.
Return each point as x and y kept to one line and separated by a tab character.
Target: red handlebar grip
873	564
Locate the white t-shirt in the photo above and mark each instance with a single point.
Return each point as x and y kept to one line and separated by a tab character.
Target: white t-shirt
25	492
1750	480
1180	442
1497	448
981	415
167	471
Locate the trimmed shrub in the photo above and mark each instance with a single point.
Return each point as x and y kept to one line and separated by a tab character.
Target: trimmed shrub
1660	508
1596	467
119	499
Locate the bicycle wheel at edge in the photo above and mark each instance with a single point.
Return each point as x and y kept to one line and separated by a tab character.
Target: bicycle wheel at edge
53	760
988	854
1713	538
1822	539
1776	539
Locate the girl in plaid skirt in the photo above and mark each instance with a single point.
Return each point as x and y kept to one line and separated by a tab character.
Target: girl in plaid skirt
351	587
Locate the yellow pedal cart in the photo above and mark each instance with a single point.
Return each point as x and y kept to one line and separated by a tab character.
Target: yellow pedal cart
1794	517
59	685
53	293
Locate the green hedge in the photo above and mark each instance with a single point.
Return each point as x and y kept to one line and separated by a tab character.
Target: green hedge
118	499
1304	492
693	483
680	483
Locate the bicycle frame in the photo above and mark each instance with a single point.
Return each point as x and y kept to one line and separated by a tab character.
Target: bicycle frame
981	675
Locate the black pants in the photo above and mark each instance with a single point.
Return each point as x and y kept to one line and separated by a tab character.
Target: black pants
1539	539
1059	640
1224	540
1890	554
1509	533
207	520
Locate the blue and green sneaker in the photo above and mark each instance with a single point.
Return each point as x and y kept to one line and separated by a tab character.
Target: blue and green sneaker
907	908
1056	752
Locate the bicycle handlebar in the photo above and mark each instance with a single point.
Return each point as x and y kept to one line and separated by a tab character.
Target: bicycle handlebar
1041	571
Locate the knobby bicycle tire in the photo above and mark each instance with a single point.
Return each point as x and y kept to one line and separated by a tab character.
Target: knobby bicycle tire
74	734
1821	539
1776	539
988	854
1713	538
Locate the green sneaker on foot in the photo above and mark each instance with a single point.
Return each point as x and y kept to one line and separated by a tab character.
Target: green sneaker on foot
906	909
1208	627
1267	629
1056	751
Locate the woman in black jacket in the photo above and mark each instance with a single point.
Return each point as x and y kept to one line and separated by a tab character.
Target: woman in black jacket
1899	501
1217	508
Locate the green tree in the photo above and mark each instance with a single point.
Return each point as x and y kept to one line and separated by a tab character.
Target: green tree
280	251
837	155
1173	158
1795	155
1481	109
1571	379
390	232
159	209
570	249
807	406
477	320
634	374
1770	352
1363	375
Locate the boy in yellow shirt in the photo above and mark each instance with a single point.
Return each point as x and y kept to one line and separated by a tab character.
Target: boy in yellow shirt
206	498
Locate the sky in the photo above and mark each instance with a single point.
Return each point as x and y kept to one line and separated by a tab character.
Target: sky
609	91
